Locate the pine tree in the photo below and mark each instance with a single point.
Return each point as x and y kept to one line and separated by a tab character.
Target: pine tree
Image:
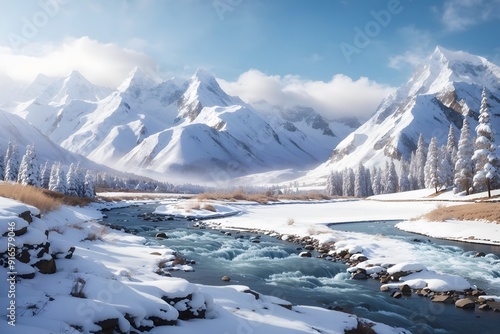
89	188
391	178
348	182
58	180
485	156
412	176
2	166
329	184
80	181
377	181
11	162
368	182
45	175
448	158
464	167
71	179
29	170
431	170
420	163
359	187
404	176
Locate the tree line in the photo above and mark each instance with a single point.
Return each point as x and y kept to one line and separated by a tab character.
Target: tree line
73	180
471	165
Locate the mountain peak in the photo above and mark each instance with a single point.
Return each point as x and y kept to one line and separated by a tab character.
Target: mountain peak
447	56
136	78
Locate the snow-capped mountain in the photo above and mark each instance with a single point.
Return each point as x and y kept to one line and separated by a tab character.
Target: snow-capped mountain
442	89
14	128
193	129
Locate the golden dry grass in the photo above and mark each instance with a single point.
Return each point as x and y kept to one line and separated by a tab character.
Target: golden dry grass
43	199
475	211
30	195
262	198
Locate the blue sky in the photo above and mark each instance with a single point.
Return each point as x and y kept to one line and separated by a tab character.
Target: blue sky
304	40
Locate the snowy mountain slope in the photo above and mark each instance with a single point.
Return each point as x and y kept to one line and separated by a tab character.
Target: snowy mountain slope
444	87
194	129
14	128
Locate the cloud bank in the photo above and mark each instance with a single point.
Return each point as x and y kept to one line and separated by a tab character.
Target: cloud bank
104	64
340	97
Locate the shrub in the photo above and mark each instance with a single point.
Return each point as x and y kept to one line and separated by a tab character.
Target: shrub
290	221
78	288
209	207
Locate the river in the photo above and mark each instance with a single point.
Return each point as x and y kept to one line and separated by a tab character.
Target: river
273	267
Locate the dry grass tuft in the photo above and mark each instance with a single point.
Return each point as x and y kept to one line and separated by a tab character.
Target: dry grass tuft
97	234
290	221
30	195
475	211
262	198
209	207
43	199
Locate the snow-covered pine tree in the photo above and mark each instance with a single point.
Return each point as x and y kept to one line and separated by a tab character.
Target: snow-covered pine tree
420	156
448	159
485	156
29	170
336	183
464	167
329	184
431	170
359	181
11	162
348	182
368	182
446	167
404	176
2	165
45	175
80	181
89	189
412	173
377	181
71	189
58	181
391	178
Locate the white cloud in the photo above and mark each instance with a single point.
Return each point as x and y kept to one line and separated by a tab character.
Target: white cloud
341	96
459	15
103	64
421	45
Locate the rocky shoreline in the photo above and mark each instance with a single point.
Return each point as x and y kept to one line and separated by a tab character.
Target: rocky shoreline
467	299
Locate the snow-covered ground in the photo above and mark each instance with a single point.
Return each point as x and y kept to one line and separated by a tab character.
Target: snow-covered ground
113	275
110	280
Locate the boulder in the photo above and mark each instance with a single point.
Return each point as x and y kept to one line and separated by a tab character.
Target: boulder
26	215
479	254
485	307
405	289
465	303
46	266
309	247
360	273
162	235
107	326
225	278
305	254
396	294
443	299
384	288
